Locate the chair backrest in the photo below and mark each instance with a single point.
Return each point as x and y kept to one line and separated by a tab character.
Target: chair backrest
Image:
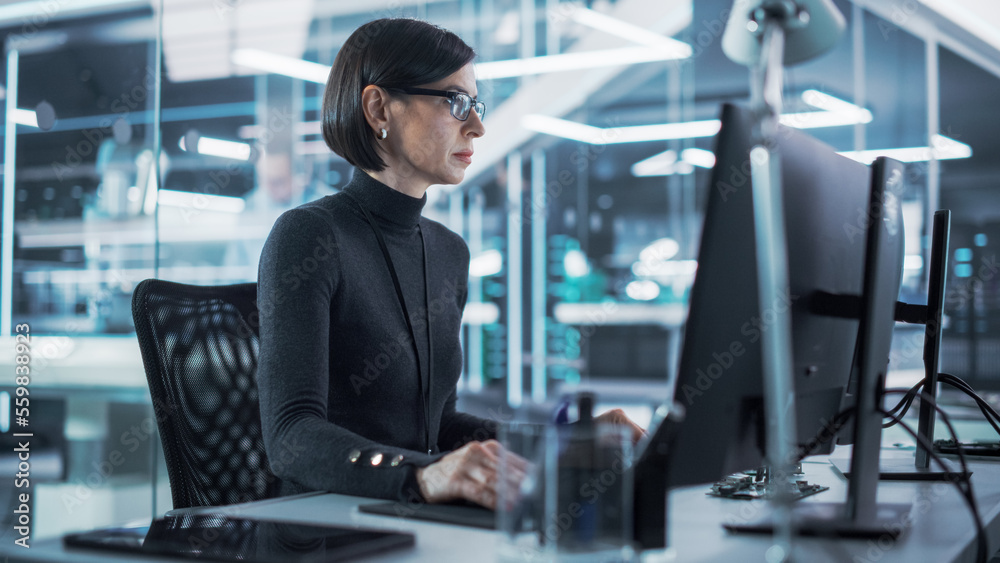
200	347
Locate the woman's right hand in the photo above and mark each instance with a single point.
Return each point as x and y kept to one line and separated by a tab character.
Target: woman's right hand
471	472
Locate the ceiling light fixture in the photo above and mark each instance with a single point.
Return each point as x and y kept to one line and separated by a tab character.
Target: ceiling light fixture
578	61
318	73
281	64
625	30
200	201
698	157
613	135
666	163
661	164
833	112
652	47
489	263
219	147
26	117
27	12
942	148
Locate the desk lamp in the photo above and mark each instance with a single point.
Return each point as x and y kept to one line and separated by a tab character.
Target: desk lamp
765	35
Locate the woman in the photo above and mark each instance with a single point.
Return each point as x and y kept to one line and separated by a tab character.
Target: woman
361	298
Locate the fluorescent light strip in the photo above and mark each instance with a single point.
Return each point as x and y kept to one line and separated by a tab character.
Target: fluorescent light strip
220	147
489	263
25	117
664	314
838	113
480	313
698	157
45	10
665	269
824	101
661	49
563	128
613	135
942	148
623	29
661	164
226	149
201	202
818	119
663	131
667	164
281	64
577	61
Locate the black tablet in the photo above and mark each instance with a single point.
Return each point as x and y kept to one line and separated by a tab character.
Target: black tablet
217	537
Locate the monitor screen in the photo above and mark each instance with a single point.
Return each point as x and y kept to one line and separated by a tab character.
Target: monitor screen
825	198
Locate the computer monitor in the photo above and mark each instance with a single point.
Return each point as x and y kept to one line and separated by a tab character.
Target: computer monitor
933	325
825	199
836	266
931	316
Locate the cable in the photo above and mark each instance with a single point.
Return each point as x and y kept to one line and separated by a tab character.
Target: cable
992	416
904	403
964	483
988	411
967	389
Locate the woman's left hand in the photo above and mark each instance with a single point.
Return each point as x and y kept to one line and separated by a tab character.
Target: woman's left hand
618	416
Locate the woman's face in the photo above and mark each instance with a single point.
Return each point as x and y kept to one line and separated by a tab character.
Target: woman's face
426	145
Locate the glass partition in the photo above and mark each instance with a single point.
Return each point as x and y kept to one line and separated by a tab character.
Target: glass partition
79	202
83	176
971	340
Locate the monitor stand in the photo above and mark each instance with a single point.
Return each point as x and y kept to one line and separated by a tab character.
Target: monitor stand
920	469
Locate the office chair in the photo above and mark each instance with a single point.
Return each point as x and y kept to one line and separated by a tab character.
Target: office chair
200	348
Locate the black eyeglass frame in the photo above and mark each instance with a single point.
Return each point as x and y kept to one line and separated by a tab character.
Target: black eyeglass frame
474	105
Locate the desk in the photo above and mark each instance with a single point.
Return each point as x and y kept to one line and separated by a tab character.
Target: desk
941	527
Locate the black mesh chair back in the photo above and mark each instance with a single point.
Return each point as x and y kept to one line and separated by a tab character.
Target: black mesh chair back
200	349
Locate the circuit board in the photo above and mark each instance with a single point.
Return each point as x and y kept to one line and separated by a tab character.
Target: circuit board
747	486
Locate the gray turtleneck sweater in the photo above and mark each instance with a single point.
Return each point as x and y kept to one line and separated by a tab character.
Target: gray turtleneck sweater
338	375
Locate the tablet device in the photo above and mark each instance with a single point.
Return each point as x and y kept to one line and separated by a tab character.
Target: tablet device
461	514
217	537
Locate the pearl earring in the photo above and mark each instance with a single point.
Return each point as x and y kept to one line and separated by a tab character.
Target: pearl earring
384	133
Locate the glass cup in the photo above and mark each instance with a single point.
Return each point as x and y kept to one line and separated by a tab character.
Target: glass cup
565	493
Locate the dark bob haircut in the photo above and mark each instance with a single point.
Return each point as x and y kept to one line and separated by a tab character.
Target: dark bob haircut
393	52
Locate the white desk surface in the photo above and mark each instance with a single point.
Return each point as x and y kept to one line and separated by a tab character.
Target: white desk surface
941	527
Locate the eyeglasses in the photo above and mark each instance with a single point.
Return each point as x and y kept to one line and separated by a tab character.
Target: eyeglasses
461	103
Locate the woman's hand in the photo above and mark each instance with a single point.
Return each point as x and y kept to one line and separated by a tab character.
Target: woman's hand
471	472
618	416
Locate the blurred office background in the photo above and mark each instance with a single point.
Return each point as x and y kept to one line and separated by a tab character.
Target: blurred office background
161	138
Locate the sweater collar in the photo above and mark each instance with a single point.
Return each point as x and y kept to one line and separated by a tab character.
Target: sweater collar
385	202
